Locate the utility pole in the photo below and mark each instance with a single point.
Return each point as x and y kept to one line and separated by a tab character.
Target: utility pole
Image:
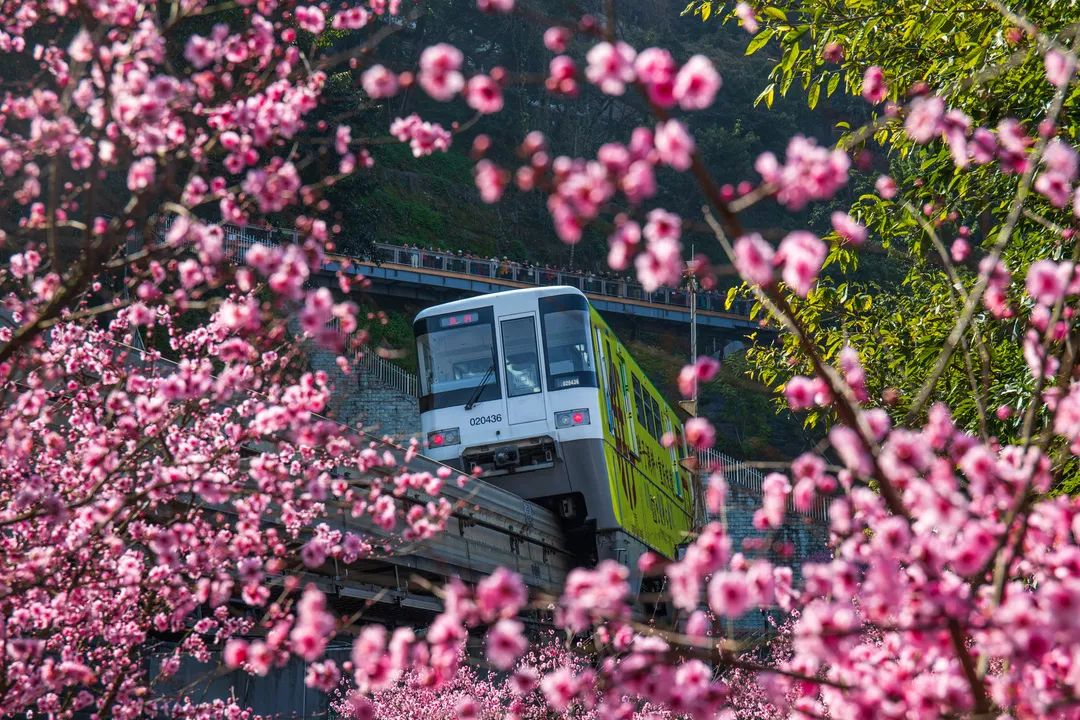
690	406
692	463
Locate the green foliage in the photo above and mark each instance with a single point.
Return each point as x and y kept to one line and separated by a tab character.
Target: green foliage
737	405
894	300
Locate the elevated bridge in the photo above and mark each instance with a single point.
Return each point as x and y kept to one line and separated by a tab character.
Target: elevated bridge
431	277
440	276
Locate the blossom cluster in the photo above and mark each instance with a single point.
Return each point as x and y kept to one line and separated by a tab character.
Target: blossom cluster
164	480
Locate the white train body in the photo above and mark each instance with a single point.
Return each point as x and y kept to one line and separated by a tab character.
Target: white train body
483	363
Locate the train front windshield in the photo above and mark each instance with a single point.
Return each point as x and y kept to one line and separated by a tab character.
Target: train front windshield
458	359
565	323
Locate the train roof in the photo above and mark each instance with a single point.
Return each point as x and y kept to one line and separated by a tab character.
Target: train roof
481	300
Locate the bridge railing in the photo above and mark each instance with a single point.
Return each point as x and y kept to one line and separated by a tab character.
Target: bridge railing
532	275
745	478
387	373
238	239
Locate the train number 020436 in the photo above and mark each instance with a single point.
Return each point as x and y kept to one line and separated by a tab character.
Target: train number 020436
486	419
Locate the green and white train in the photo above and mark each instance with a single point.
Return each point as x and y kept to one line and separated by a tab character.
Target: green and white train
533	387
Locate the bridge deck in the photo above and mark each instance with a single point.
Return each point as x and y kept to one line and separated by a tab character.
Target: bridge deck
480	285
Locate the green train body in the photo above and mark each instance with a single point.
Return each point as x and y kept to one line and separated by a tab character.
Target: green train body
652	492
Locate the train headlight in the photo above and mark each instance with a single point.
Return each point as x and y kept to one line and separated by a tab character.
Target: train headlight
443	438
572	418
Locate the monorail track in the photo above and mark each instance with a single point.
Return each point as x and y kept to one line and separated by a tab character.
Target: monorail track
489	528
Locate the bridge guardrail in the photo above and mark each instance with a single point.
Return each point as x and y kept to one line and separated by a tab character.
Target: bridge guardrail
238	239
750	479
387	373
535	275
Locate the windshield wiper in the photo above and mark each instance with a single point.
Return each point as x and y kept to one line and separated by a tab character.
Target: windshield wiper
480	388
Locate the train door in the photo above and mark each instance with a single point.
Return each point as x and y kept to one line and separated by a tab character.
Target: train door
521	368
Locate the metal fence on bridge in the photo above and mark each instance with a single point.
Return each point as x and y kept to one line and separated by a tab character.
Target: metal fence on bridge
387	373
527	274
743	477
238	239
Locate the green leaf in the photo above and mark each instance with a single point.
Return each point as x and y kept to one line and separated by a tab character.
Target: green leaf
833	82
774	13
706	10
790	58
815	93
731	294
786	83
766	95
689	6
759	41
795	34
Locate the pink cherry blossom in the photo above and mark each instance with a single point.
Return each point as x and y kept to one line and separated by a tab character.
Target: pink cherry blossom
483	94
696	83
623	243
1047	281
610	67
754	259
141	174
803	393
959	250
702	371
378	82
745	13
873	85
311	18
848	228
490	181
274	187
801	254
353	18
924	118
1055	180
655	68
501	594
505	643
808	173
674	144
423	137
853	371
885	187
700	433
728	594
662	227
1059	67
557	39
495	6
439	71
562	76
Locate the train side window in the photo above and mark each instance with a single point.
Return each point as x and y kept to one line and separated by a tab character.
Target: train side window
606	376
638	406
654	418
674	453
520	357
650	417
626	404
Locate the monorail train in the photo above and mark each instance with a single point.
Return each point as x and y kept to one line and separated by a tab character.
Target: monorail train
533	387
